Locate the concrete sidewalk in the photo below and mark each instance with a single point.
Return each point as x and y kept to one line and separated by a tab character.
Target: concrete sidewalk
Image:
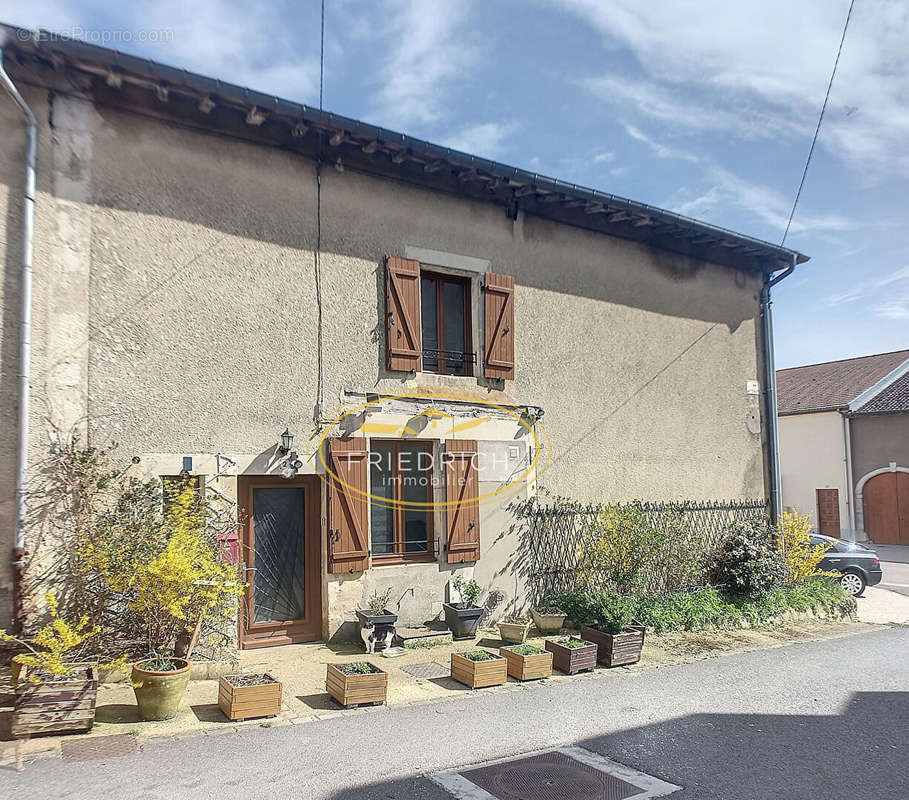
881	606
301	670
826	719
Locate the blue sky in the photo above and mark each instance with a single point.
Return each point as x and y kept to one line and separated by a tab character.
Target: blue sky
705	107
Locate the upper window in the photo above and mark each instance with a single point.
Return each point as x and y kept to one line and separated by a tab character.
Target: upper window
401	481
445	312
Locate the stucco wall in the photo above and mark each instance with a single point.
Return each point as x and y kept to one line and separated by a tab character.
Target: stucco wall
176	309
811	458
877	441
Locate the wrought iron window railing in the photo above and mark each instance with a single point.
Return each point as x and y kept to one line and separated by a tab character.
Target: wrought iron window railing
449	356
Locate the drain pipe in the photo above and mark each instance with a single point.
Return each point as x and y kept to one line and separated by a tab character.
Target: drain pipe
773	440
25	329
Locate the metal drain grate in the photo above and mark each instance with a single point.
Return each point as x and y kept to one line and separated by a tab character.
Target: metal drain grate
568	773
94	747
549	776
428	669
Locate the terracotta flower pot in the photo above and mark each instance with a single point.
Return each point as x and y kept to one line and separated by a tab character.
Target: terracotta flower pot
158	694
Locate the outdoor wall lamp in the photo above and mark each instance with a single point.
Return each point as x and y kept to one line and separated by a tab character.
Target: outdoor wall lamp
287	441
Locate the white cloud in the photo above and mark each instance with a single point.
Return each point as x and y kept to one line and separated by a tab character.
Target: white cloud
427	50
601	158
725	189
862	289
485	139
759	68
893	307
660	150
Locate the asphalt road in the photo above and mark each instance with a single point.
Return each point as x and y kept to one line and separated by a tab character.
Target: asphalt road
825	719
895	564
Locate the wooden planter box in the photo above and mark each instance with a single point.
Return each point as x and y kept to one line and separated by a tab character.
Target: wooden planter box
356	690
572	659
616	650
478	674
529	667
514	631
246	702
547	623
61	705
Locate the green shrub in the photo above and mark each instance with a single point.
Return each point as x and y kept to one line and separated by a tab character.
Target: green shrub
710	609
748	564
576	605
612	613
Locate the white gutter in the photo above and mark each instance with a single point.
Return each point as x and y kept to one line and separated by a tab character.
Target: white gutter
25	329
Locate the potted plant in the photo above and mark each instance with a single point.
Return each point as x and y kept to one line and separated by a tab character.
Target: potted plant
246	696
548	619
172	595
618	637
479	668
356	684
527	662
514	629
376	611
54	691
463	617
571	655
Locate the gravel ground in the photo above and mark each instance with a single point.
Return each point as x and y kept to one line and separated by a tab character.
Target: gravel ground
819	719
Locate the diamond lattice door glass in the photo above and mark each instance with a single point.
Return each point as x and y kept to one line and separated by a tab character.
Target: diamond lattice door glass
278	535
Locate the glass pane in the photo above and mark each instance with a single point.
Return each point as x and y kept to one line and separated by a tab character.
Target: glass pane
428	310
416	478
382	514
453	300
278	532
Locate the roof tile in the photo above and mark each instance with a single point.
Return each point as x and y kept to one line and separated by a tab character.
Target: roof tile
833	384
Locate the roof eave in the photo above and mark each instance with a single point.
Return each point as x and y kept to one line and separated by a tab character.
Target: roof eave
534	193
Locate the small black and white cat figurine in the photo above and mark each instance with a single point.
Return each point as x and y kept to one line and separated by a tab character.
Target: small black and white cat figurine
371	636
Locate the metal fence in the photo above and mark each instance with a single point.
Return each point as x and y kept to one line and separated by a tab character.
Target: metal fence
556	537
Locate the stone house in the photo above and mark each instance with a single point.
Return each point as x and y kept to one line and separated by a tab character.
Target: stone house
444	335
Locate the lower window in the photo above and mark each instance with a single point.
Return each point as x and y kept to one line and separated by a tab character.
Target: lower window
401	482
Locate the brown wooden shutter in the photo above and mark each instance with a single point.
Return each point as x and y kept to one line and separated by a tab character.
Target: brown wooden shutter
461	492
348	537
403	331
499	360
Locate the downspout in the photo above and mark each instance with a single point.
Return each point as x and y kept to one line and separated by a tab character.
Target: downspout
25	328
773	441
847	463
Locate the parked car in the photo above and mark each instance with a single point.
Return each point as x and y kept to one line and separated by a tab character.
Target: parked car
858	565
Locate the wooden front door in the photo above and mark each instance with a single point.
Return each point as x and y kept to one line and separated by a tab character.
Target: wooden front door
885	502
281	556
828	512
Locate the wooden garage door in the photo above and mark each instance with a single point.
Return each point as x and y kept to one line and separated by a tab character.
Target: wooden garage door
885	500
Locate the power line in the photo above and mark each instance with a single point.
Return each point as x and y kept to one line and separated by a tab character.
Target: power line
817	130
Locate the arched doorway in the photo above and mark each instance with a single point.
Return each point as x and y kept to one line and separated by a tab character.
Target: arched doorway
885	505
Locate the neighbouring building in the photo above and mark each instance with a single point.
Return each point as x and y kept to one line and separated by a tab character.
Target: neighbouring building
844	445
214	265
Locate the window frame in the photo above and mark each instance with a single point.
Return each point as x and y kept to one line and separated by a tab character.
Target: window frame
466	282
403	557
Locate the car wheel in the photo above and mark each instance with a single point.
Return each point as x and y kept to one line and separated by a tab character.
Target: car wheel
853	583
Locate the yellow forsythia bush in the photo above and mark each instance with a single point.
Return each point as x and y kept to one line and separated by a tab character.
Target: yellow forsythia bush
53	648
794	542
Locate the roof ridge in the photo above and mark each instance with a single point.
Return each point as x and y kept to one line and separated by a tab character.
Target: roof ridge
844	360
